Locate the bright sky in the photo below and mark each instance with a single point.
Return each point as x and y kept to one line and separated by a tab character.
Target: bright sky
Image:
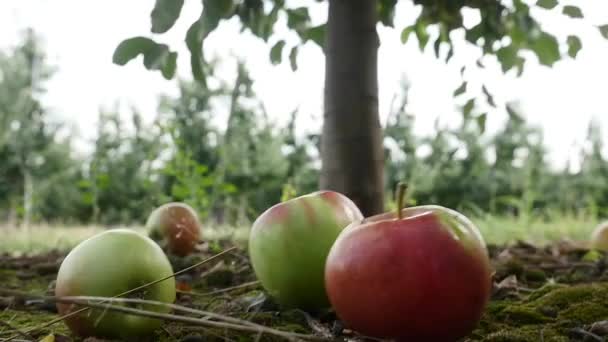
80	37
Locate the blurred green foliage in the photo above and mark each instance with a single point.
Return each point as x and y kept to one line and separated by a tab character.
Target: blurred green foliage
233	170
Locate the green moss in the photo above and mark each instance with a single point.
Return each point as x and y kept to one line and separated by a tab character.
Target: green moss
26	320
24	281
565	296
523	315
548	287
585	312
553	309
514	267
535	275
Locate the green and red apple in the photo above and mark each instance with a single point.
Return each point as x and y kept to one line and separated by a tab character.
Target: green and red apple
177	226
109	264
289	243
420	274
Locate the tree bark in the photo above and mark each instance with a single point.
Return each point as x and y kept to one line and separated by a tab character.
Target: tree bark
351	143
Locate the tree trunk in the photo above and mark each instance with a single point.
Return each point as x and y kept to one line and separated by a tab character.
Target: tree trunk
351	144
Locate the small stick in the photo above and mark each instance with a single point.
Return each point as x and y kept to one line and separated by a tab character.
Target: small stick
401	193
192	320
228	289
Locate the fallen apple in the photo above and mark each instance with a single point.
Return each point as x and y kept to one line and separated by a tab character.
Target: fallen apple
599	237
177	226
420	274
109	264
289	243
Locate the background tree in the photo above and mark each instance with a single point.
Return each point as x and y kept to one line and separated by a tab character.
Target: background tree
27	135
352	153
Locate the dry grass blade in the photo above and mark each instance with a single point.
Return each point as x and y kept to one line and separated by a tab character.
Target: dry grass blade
61	318
216	292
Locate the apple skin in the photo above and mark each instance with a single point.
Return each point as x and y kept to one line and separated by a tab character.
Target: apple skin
425	277
289	243
109	264
599	237
177	225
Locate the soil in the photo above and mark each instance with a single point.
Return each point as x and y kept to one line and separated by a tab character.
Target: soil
557	292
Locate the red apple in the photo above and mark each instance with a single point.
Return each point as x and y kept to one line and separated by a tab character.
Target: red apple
289	243
599	237
424	276
109	264
178	227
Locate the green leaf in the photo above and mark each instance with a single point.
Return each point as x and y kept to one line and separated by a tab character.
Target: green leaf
547	4
437	46
405	34
276	52
316	34
604	30
194	42
450	53
165	14
422	35
130	48
546	48
460	90
386	11
481	122
513	115
211	16
468	108
293	58
156	56
169	66
489	96
572	11
297	18
507	56
574	46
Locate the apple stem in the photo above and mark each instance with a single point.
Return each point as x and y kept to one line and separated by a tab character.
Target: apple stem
401	196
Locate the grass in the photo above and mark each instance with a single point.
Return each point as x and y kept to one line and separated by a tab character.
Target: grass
44	238
495	229
503	229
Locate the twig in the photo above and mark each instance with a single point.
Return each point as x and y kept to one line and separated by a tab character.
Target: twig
228	289
61	318
208	314
191	320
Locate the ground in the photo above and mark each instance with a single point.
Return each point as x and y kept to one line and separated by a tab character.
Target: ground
548	292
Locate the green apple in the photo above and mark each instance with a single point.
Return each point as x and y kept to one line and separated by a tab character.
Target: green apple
289	243
106	265
599	237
